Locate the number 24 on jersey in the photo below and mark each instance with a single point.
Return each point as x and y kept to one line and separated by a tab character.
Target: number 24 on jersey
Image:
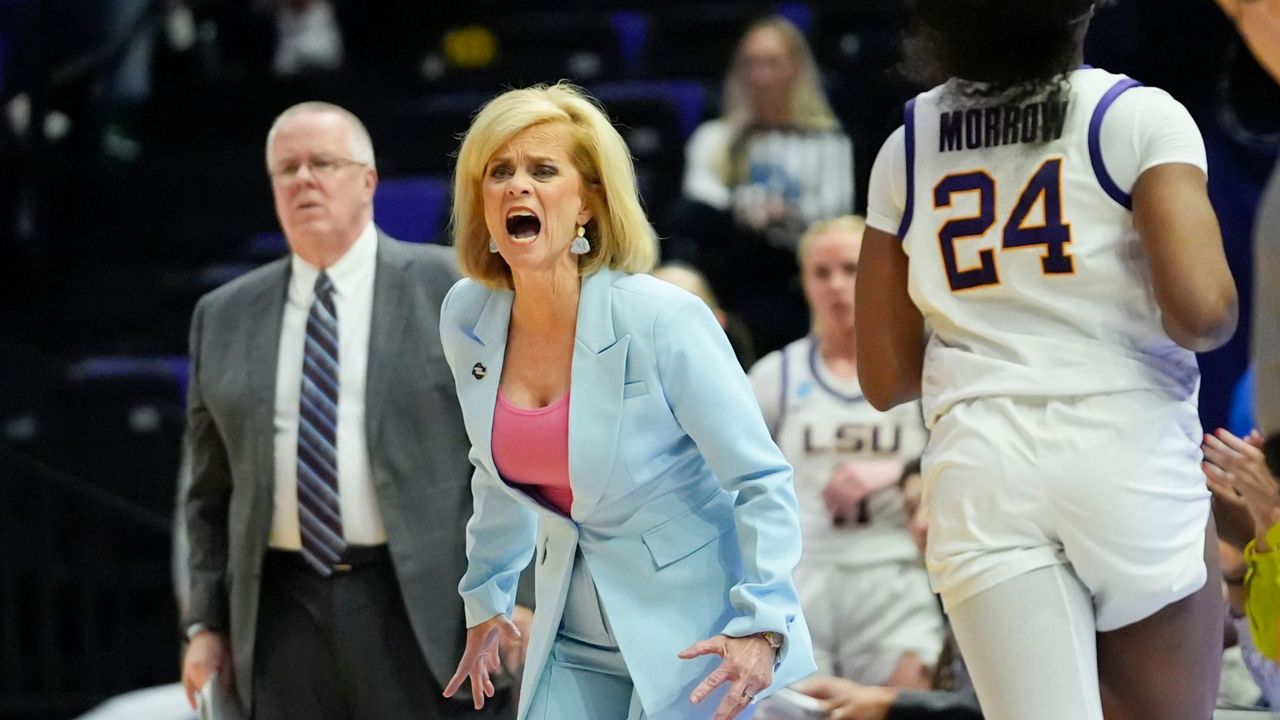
1044	188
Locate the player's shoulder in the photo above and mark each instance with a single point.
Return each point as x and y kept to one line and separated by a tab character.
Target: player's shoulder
783	359
769	366
1115	90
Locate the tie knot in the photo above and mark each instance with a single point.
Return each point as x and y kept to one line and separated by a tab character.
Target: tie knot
324	286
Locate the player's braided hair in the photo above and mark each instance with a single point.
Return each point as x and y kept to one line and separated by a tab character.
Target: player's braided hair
1011	47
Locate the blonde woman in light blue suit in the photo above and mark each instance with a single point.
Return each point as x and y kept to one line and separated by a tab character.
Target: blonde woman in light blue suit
615	440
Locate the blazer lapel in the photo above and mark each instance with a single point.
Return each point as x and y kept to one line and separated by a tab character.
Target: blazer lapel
481	369
392	306
264	321
595	400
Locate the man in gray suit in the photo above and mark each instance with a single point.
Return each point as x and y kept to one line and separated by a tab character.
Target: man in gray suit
329	480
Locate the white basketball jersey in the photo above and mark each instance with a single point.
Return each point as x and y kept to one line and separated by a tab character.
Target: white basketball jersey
820	421
1024	258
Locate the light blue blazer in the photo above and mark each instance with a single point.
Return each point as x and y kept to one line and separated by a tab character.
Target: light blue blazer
683	506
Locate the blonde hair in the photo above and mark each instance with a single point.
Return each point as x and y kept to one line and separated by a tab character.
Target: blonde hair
358	140
689	278
851	224
620	235
809	109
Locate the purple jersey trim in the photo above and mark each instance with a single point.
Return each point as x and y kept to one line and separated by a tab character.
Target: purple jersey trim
817	377
1095	143
909	128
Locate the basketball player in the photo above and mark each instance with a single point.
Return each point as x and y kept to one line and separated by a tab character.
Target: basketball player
864	591
1050	222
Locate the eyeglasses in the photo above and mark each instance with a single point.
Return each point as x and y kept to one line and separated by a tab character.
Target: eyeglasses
321	166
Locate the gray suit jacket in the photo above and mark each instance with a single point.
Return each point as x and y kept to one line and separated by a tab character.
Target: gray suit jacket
417	447
1266	308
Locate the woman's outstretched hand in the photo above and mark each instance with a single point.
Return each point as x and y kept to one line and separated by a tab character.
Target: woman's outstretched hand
481	657
746	663
1237	466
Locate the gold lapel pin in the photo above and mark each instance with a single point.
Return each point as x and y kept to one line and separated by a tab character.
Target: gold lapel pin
478	371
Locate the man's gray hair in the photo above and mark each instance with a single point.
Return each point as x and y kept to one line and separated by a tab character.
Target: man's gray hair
361	145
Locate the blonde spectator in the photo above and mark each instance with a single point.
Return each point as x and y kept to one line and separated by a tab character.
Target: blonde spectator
862	585
775	162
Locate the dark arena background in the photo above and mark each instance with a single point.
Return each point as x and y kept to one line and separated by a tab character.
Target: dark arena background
132	182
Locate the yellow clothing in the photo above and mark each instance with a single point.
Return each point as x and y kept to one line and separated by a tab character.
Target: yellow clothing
1262	594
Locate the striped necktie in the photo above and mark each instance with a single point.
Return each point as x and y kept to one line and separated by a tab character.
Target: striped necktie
319	513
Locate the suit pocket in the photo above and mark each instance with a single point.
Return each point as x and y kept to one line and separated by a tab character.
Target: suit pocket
635	389
680	538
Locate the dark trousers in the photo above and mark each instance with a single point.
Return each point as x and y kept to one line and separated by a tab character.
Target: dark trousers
341	648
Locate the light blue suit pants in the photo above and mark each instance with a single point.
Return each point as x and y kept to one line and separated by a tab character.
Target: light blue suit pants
585	677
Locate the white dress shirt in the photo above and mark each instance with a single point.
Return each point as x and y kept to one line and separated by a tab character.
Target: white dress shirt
352	277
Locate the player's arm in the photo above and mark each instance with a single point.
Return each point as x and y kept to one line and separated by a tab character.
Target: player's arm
1179	230
890	329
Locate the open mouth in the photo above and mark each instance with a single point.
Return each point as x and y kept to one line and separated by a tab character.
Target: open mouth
523	225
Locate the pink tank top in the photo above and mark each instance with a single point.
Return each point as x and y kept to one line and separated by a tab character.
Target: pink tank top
531	450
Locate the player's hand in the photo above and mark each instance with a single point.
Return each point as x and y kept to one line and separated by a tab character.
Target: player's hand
1231	515
847	700
1237	466
480	658
853	481
746	664
206	654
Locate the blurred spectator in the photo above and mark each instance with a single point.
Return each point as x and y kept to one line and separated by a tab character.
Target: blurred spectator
1262	685
688	278
308	37
863	588
755	178
1259	24
1238	476
129	83
951	695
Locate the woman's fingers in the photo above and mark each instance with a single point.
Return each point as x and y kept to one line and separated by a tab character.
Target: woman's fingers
1214	445
1240	446
479	678
455	682
1219	481
713	646
709	685
509	629
478	656
1225	456
738	697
